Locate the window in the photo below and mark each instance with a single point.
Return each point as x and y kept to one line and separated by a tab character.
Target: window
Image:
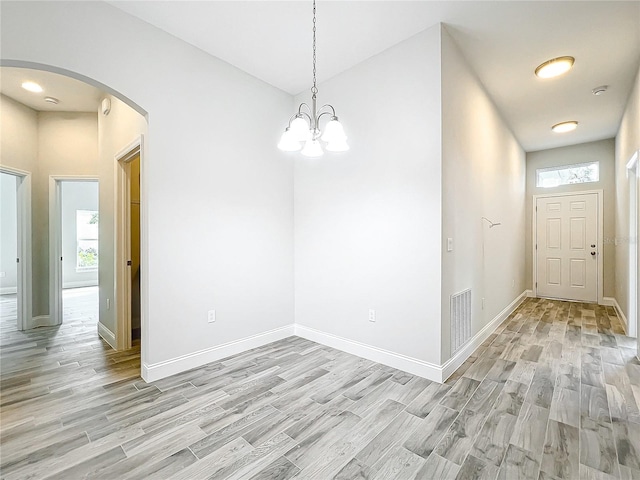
568	174
87	240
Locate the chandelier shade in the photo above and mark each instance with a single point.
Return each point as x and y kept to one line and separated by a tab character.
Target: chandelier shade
304	126
312	149
289	141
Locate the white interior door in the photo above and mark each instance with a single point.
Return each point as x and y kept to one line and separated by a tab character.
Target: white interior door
567	247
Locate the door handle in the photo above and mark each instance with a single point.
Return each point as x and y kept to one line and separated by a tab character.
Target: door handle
593	254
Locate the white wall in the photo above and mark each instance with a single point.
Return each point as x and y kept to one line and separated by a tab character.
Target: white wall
8	234
76	196
627	142
483	174
18	146
368	221
601	151
18	135
219	214
67	145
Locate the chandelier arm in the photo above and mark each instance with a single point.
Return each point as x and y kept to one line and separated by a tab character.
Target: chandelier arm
333	110
292	118
303	105
320	116
305	114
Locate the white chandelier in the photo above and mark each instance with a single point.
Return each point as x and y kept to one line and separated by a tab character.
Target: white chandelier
304	126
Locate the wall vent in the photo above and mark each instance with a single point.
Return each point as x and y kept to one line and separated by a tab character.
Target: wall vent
460	319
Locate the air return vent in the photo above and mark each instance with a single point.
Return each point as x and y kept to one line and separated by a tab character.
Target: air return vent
460	319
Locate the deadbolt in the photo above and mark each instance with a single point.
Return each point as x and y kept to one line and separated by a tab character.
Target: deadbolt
593	245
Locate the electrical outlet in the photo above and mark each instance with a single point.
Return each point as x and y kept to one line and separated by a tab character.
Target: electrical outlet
513	283
449	244
483	304
212	316
372	315
108	304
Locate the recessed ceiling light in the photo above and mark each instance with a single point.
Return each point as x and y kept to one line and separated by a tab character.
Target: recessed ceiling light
600	90
32	87
554	67
565	127
53	100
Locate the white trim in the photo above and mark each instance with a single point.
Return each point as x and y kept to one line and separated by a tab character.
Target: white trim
465	352
612	302
633	246
80	283
156	371
428	370
25	251
8	290
107	335
122	245
40	321
529	293
600	241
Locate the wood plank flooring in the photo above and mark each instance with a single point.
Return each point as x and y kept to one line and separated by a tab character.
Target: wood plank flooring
552	394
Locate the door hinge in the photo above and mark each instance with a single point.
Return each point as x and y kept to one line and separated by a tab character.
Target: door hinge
60	258
536	284
128	263
17	260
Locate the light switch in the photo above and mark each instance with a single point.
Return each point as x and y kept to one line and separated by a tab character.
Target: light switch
449	244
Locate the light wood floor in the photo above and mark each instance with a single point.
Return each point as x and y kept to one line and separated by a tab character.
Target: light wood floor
552	394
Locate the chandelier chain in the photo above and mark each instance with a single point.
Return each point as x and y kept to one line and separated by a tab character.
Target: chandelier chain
314	89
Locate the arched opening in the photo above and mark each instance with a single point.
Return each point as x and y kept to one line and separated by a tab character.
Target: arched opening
61	158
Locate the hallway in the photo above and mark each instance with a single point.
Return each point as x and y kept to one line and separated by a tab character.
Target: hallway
552	394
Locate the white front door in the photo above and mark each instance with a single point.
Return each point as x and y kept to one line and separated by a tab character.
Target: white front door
567	247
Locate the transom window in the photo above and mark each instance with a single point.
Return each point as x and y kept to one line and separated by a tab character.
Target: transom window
568	174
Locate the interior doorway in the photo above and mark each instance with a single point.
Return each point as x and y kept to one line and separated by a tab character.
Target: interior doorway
73	248
15	249
567	246
129	258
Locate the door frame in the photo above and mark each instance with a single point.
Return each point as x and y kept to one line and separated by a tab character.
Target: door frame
24	253
122	230
55	242
633	245
599	243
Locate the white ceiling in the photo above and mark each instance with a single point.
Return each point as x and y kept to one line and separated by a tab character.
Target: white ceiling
74	95
503	41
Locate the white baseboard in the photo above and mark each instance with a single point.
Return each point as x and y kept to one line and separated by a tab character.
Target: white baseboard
81	283
107	335
40	321
529	293
612	302
412	365
8	290
465	352
156	371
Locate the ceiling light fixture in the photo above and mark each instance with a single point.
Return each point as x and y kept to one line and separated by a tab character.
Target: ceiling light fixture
554	67
304	126
600	90
53	100
32	87
565	127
